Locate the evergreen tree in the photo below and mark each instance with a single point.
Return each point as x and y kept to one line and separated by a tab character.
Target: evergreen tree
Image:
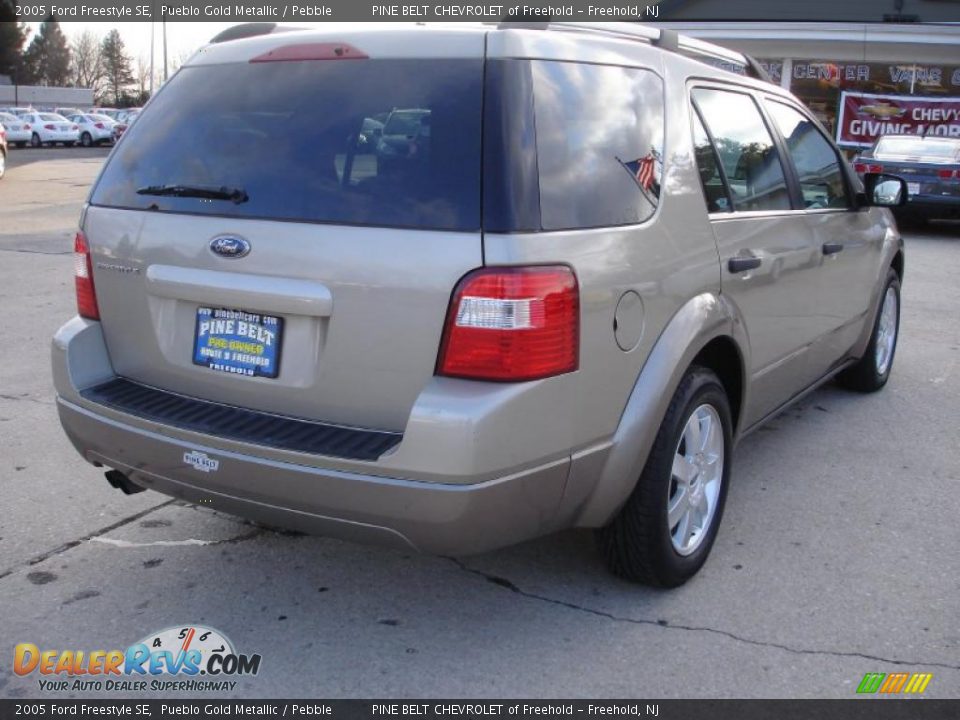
12	37
48	56
117	70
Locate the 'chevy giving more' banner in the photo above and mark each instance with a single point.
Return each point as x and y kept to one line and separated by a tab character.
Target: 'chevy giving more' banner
865	117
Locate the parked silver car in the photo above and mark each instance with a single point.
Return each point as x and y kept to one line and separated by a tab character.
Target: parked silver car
596	263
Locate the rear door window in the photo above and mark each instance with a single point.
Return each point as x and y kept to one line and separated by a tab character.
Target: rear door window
599	144
745	148
816	161
393	143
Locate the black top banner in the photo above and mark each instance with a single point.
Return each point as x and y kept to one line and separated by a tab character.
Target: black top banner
224	709
887	709
293	11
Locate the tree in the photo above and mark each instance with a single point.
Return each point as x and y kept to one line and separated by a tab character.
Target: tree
86	65
116	65
48	56
13	35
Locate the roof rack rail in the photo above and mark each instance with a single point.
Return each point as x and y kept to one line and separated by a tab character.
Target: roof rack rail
664	38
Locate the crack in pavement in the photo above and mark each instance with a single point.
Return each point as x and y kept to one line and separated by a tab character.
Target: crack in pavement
26	398
512	587
125	544
36	252
73	543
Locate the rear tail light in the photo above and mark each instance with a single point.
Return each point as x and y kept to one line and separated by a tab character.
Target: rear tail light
99	126
83	274
26	127
512	324
861	167
75	127
948	174
49	127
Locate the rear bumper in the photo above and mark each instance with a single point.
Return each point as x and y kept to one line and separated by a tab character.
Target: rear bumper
297	491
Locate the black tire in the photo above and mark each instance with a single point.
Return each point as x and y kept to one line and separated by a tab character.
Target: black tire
637	544
69	144
867	375
21	144
35	141
86	140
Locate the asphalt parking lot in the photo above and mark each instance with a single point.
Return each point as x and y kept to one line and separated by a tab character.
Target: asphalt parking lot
838	554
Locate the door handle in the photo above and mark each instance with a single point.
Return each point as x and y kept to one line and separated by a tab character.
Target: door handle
832	248
742	264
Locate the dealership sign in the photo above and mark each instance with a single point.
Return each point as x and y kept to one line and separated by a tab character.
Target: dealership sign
864	117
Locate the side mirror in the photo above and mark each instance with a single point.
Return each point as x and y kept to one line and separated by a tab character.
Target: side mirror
884	190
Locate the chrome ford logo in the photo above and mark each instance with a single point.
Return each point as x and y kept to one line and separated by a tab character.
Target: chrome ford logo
229	246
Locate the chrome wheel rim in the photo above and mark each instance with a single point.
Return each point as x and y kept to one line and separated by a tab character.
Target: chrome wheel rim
886	331
695	480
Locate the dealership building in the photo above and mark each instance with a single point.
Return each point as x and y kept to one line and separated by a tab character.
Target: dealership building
899	72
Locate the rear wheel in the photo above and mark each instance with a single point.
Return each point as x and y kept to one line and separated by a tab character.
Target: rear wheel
35	141
873	369
86	140
664	533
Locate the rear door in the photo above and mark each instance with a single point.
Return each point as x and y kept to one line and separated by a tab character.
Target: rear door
850	242
768	256
254	245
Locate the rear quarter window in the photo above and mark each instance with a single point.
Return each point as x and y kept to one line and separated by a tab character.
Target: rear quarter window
599	135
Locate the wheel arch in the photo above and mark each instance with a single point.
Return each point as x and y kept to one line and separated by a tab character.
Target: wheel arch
706	330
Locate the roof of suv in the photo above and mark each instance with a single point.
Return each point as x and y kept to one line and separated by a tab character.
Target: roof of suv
615	42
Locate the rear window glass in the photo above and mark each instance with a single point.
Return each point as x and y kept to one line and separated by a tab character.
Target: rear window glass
393	143
599	144
901	147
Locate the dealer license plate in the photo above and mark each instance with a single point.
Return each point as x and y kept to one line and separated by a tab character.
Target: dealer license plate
238	342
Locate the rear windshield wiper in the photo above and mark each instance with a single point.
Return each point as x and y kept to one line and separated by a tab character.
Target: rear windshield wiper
235	195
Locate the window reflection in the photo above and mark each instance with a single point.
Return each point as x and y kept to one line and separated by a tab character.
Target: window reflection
745	148
599	144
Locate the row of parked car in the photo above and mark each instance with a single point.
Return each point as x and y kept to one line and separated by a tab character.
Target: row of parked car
67	126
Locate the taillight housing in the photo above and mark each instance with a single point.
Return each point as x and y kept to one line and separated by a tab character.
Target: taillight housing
99	126
862	167
948	174
83	275
49	126
512	324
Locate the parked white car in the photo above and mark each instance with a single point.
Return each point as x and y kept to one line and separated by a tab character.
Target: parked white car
18	131
50	128
94	129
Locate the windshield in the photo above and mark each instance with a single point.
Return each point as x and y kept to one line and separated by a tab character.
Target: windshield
290	135
935	149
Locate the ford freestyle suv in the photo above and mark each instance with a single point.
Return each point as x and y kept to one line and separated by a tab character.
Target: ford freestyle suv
589	260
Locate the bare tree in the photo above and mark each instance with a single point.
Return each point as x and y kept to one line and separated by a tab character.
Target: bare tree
87	61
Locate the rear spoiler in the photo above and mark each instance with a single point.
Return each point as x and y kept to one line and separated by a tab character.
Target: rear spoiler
247	30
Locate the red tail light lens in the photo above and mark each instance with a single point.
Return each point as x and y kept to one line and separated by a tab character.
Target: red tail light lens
512	324
860	167
99	126
83	275
49	126
26	127
948	174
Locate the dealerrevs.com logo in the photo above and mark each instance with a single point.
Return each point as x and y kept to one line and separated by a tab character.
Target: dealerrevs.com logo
181	658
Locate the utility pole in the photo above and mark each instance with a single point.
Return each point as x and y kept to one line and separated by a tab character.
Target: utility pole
152	33
166	67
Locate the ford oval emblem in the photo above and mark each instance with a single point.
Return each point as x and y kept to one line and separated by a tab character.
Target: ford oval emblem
229	246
